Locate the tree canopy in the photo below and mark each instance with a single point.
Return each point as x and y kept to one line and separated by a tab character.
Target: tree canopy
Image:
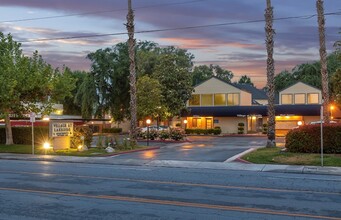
28	84
204	72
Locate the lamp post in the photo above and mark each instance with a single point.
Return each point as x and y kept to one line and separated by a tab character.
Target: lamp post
185	122
148	121
321	134
331	111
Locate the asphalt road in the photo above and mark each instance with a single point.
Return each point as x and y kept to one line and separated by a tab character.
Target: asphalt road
201	148
48	190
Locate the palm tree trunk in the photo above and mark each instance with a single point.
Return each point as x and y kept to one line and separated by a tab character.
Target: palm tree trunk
323	58
8	128
270	70
132	76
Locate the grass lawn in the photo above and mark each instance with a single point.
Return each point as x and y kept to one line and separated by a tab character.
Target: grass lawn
275	156
27	149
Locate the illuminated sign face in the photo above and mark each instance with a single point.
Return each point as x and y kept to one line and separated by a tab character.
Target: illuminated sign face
62	129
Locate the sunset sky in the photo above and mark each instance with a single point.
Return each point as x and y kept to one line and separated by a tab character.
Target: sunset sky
238	45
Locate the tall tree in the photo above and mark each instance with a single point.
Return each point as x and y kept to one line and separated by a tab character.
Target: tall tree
223	74
102	69
148	97
204	72
132	77
270	69
336	86
283	80
245	80
70	104
28	84
175	79
323	58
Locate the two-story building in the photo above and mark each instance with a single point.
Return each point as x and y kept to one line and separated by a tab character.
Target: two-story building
218	103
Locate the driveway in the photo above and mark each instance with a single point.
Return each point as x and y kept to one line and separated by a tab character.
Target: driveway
201	148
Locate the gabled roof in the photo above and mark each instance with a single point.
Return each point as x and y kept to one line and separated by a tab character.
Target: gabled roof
228	83
297	83
256	93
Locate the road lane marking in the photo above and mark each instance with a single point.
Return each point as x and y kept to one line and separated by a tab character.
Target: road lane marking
174	203
250	188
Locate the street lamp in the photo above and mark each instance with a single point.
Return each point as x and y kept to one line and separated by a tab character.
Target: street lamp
331	111
46	147
148	121
185	122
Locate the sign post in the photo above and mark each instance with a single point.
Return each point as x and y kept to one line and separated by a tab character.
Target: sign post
32	120
321	128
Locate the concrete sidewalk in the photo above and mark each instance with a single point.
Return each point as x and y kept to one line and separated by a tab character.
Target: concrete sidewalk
178	164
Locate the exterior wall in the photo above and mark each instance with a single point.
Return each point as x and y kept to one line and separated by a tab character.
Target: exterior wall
245	98
229	125
125	125
214	85
300	88
308	119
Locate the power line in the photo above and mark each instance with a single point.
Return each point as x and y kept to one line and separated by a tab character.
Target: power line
177	28
98	12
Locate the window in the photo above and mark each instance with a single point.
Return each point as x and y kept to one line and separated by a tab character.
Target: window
196	123
313	98
194	100
286	99
299	98
219	99
233	99
206	99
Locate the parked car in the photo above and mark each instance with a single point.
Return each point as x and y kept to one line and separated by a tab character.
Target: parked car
319	122
155	127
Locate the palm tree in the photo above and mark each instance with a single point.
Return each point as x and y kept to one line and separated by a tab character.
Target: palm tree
132	76
270	70
323	57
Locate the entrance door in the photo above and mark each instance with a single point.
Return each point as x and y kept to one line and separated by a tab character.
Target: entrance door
209	123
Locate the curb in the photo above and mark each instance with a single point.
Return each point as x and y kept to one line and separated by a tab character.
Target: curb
131	151
237	157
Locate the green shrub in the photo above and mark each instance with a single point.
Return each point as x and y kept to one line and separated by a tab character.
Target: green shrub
78	132
307	139
177	134
23	135
265	129
215	131
241	128
163	135
111	130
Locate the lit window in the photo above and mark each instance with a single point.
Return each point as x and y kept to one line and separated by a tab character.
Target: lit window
195	100
233	99
313	98
219	99
299	98
286	99
206	99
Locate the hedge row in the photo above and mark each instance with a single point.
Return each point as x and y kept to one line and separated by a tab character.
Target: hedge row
176	134
215	131
23	135
111	130
307	139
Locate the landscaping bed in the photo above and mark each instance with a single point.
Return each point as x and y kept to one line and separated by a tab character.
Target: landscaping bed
275	156
92	152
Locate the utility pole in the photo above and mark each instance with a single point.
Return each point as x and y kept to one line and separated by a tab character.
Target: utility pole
132	76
